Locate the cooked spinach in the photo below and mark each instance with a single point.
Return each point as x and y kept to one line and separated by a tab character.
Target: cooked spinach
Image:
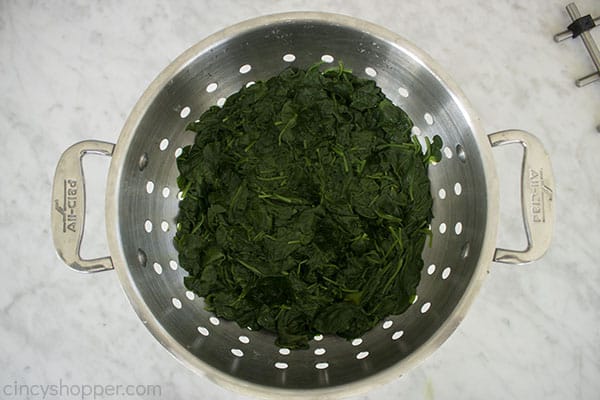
306	205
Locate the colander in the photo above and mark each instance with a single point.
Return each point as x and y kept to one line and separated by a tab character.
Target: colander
142	202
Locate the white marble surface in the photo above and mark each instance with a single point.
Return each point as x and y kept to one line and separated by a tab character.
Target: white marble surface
73	70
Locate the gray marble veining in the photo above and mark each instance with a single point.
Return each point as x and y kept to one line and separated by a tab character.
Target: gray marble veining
73	70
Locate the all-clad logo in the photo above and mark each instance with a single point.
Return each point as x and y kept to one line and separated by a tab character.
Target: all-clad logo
539	195
69	205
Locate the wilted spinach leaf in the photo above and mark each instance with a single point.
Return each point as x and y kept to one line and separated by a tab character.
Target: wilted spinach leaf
306	206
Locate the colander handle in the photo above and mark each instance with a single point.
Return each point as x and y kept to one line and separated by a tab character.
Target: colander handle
537	197
68	206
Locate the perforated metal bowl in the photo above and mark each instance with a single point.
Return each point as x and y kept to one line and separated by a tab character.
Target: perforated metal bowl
142	198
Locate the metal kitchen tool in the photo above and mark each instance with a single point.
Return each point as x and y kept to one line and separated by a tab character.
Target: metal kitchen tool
581	26
142	202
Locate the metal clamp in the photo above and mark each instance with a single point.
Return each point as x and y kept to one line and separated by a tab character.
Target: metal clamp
588	41
581	26
68	206
537	197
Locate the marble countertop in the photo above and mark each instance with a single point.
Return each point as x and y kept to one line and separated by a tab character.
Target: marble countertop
72	70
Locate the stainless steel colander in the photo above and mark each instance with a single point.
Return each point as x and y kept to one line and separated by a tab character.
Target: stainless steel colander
142	198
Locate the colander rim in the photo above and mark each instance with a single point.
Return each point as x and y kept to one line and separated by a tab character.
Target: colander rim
180	352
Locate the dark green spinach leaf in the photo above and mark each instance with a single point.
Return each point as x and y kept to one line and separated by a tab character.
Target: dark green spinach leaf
306	205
